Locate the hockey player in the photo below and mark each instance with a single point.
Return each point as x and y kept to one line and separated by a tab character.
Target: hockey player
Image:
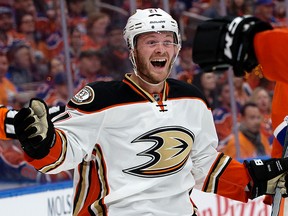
139	146
250	44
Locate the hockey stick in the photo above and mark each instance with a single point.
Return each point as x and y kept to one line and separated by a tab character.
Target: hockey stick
277	197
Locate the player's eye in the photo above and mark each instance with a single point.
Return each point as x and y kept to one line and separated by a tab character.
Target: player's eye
166	44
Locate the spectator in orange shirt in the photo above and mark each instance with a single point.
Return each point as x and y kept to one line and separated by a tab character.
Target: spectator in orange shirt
7	88
252	143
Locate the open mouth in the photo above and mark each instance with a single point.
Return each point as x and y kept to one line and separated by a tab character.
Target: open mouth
159	63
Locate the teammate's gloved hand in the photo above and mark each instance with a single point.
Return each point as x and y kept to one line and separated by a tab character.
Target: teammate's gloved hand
34	129
266	175
222	42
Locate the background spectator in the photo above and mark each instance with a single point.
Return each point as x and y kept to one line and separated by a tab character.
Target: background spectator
96	26
7	89
206	82
75	43
25	24
222	115
242	90
22	68
262	99
8	35
252	143
116	53
240	8
58	94
90	69
55	66
77	14
264	10
184	67
25	6
213	9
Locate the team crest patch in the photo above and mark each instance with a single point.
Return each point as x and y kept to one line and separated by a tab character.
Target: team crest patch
84	96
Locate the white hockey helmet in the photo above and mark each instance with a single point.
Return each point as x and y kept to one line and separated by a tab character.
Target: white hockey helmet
149	20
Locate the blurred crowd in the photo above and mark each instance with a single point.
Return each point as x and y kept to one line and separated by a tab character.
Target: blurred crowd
33	62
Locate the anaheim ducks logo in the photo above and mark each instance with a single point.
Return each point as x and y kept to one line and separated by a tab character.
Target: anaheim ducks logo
169	153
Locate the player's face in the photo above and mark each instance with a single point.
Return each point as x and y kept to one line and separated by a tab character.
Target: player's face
154	54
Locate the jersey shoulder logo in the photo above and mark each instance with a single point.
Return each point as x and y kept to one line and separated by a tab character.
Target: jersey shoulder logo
84	96
171	150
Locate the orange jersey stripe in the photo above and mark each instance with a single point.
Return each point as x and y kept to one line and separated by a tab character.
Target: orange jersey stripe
92	187
55	157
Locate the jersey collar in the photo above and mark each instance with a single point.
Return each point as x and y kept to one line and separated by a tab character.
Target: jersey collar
144	93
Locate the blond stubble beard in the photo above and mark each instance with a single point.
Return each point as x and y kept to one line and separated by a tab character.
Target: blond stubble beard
142	66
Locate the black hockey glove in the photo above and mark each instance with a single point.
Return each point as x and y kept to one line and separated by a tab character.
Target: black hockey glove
266	175
208	44
222	42
34	129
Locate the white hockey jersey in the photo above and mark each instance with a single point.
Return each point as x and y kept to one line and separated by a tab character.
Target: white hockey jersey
139	154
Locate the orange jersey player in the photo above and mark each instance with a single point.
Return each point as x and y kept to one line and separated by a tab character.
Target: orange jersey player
274	66
249	44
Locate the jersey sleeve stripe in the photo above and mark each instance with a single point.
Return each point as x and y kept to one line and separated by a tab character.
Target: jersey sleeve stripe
223	179
101	169
91	186
216	171
56	156
83	187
